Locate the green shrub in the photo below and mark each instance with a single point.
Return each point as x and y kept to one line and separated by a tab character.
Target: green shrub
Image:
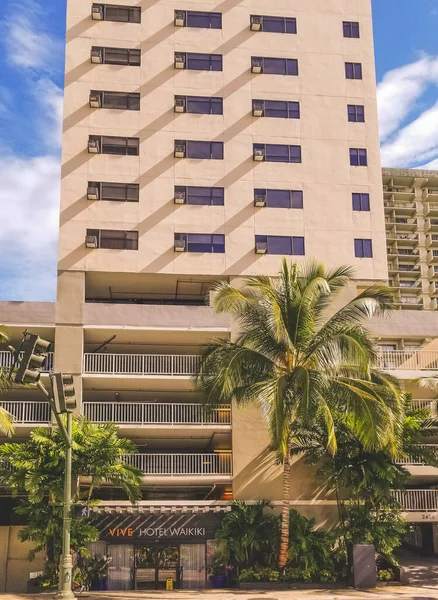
259	574
385	575
327	576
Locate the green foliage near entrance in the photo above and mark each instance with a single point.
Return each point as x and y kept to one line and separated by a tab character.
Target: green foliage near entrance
249	540
249	534
35	469
362	478
302	360
309	547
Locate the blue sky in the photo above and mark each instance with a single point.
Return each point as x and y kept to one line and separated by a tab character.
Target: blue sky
31	75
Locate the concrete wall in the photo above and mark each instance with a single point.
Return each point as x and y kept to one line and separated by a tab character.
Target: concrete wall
27	313
327	221
14	566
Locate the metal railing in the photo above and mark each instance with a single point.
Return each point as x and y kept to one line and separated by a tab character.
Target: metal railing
141	364
28	412
6	360
429	405
182	464
145	413
411	461
417	500
419	360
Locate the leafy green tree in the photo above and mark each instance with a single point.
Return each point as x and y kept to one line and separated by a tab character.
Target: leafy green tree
248	533
35	468
301	360
6	420
309	548
363	479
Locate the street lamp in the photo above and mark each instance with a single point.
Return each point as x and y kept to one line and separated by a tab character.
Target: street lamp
30	358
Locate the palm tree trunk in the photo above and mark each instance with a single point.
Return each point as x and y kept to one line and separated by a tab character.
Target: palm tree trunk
285	513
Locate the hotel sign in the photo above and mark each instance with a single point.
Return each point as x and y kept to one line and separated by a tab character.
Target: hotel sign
157	532
178	526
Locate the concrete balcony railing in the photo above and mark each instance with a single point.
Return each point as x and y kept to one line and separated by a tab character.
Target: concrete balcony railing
417	500
173	365
202	465
420	360
28	412
151	413
6	361
411	461
429	405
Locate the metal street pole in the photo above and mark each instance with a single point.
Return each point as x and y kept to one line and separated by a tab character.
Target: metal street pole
62	400
65	561
65	564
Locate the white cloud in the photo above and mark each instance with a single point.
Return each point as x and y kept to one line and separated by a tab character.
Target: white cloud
27	45
400	94
29	191
49	119
29	212
415	143
400	89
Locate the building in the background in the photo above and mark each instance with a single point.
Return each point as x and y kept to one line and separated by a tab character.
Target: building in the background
203	141
411	220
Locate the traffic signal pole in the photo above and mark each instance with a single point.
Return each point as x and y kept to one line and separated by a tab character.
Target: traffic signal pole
66	564
30	358
65	561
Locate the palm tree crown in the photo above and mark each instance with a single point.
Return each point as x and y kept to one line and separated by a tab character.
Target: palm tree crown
301	359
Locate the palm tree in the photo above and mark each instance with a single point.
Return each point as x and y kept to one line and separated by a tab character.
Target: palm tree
309	547
249	533
35	470
300	359
6	419
364	479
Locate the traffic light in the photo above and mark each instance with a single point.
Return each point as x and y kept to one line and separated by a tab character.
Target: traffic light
63	392
82	511
32	360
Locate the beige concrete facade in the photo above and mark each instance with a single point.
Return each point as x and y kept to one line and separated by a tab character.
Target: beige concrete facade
323	131
130	323
14	566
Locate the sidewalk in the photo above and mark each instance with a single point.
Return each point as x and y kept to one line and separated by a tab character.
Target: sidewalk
426	592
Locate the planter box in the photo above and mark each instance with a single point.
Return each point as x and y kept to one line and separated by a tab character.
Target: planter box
292	586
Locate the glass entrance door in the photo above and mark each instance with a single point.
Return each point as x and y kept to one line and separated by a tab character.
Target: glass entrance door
120	571
193	566
155	564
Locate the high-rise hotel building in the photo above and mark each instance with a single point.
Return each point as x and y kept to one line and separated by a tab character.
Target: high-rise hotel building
204	140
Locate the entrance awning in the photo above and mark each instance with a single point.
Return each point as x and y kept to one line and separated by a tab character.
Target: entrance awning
144	507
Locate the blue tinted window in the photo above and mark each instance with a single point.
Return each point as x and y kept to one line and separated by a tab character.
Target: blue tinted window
279	24
280	152
356	113
281	198
204	106
202	195
213	150
284	245
203	242
351	29
279	109
204	62
353	70
363	248
203	19
278	66
358	157
361	202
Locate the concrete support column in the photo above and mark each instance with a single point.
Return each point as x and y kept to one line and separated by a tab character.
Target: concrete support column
69	335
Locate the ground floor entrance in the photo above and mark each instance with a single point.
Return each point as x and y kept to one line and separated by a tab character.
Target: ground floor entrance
151	566
151	550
